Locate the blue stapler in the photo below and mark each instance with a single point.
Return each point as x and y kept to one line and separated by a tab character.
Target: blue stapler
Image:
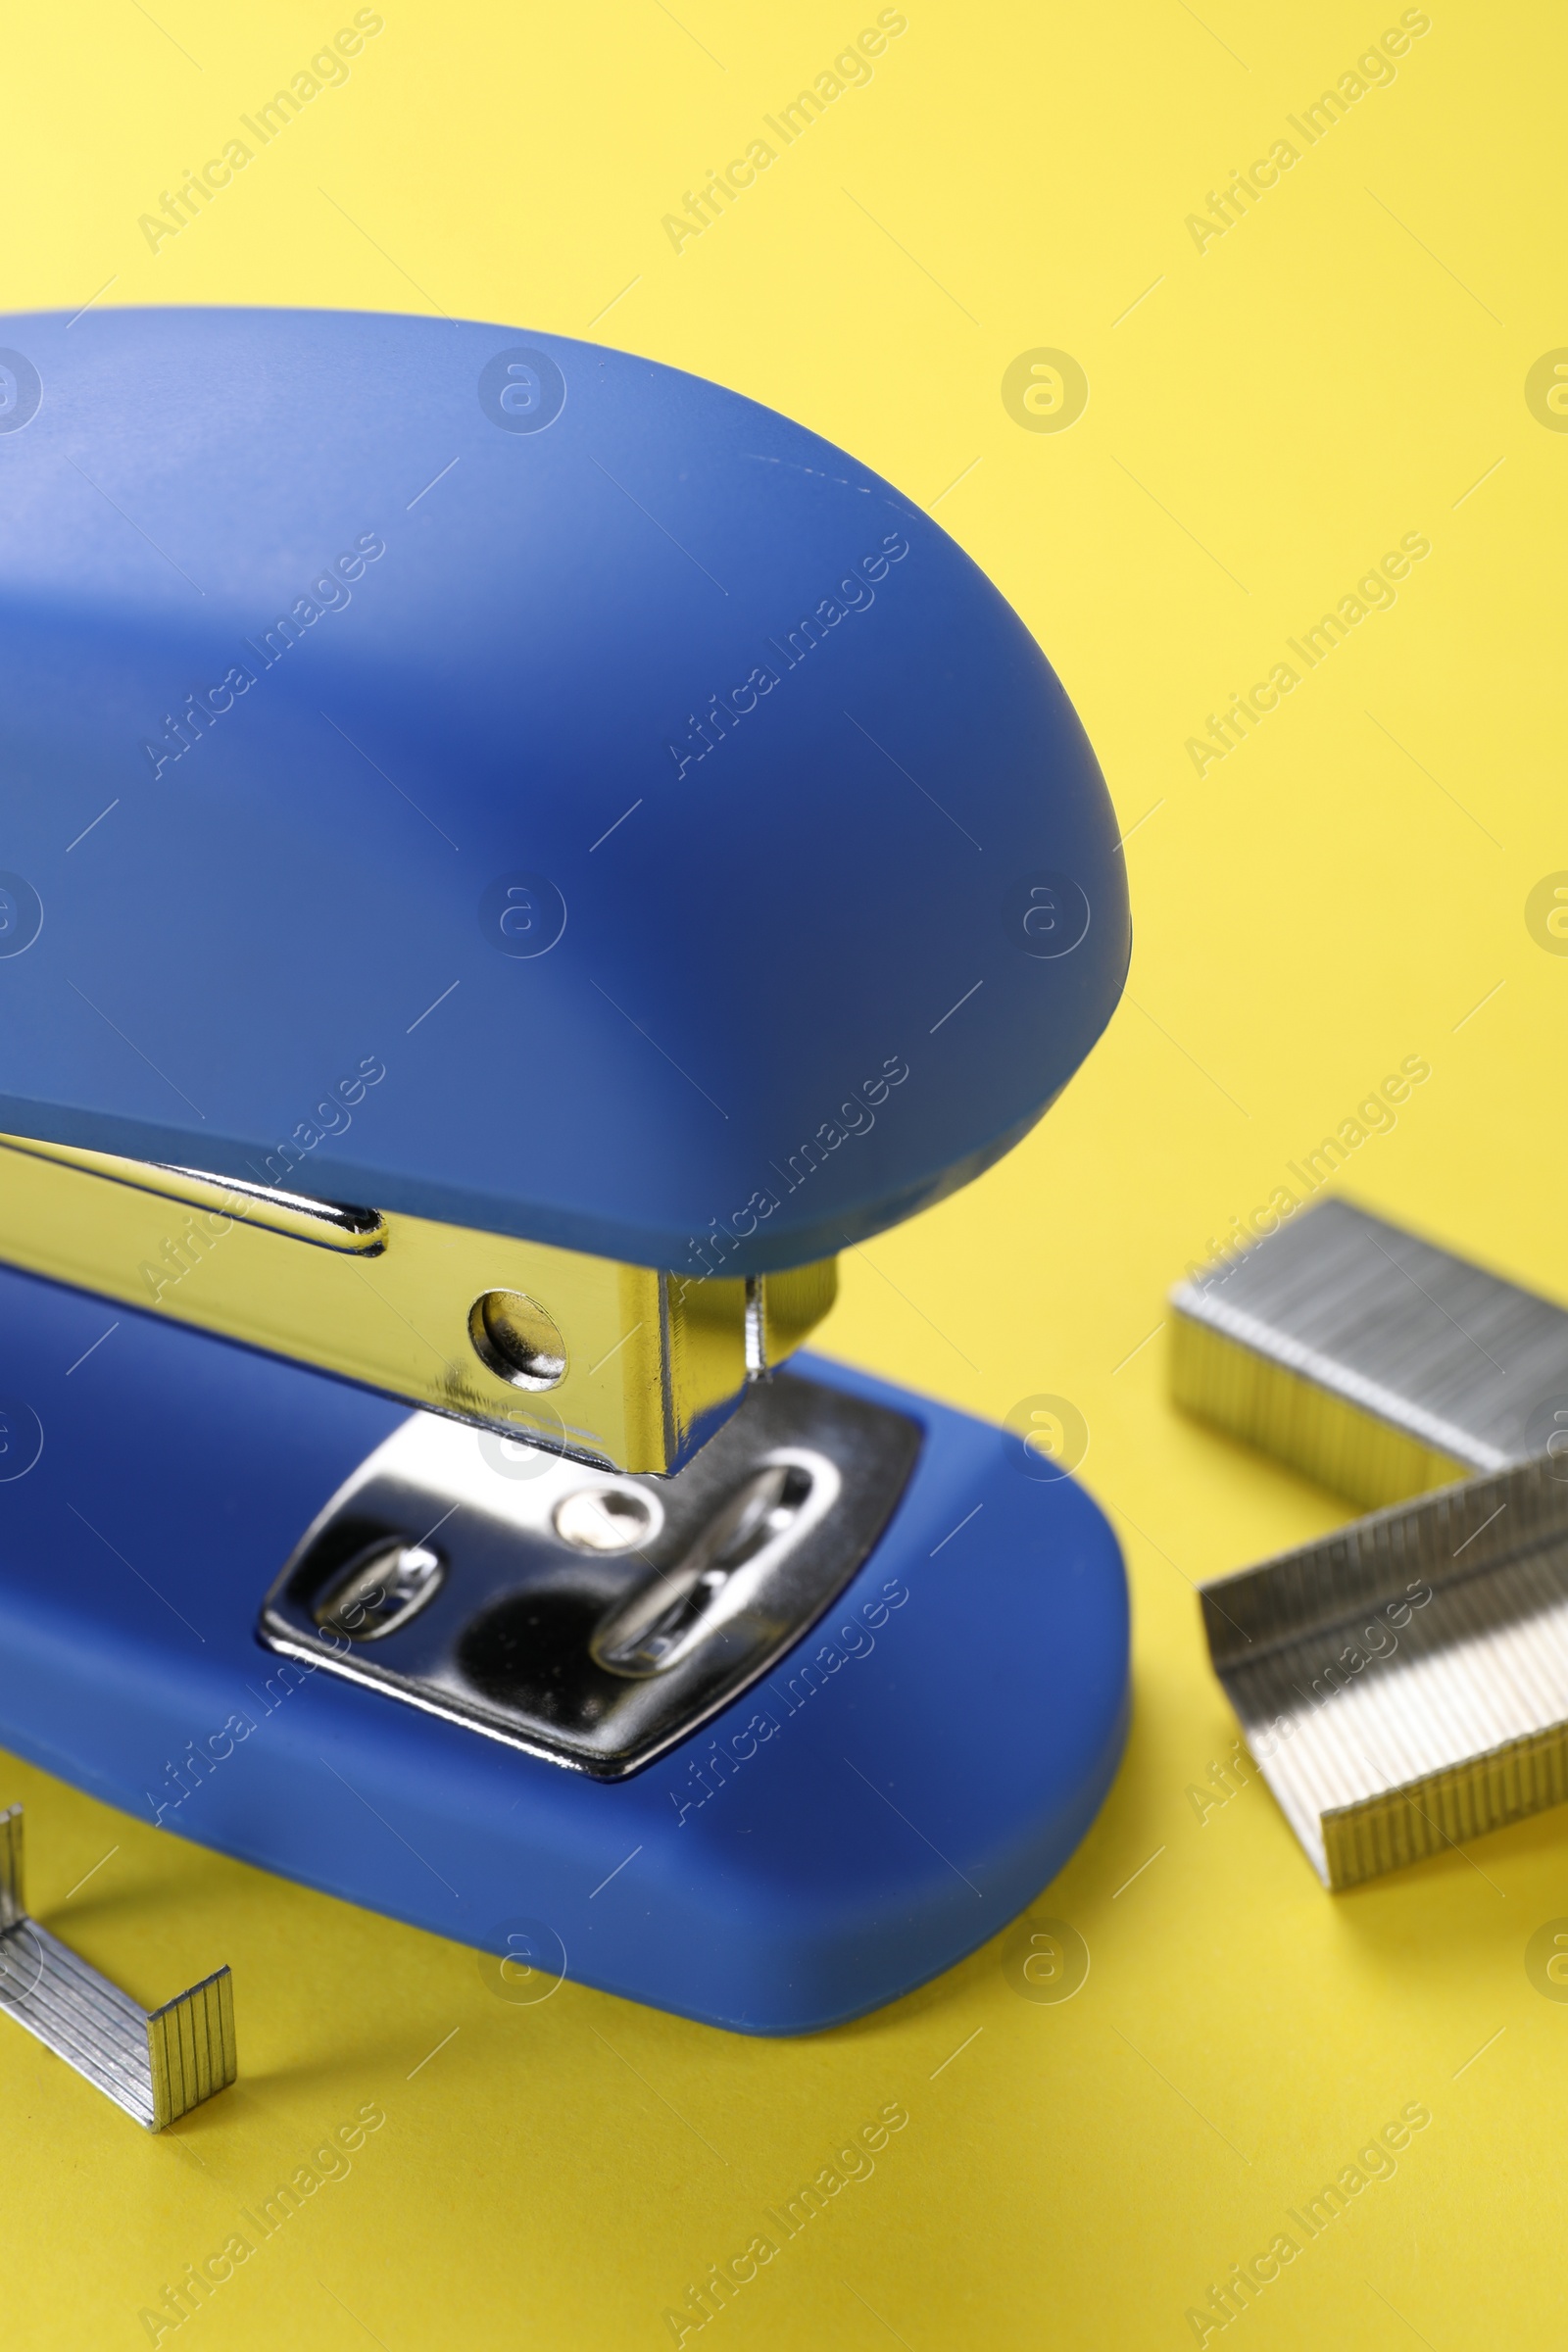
512	857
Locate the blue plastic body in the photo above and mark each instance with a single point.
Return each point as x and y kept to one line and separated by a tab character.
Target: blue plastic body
695	838
902	1811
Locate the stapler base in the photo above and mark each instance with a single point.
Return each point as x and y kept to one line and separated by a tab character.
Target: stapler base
886	1791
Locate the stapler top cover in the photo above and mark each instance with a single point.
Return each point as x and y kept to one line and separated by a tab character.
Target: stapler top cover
676	817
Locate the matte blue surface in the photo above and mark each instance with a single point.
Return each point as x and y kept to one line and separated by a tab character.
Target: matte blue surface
989	1710
500	637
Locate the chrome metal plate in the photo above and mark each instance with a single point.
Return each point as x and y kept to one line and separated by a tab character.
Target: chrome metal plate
590	1618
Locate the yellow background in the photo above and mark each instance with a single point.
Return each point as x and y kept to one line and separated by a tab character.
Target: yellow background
1338	370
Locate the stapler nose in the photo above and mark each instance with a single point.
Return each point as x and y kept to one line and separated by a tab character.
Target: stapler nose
626	1366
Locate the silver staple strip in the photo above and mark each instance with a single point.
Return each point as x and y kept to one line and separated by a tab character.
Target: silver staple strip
1375	1361
157	2066
1404	1682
